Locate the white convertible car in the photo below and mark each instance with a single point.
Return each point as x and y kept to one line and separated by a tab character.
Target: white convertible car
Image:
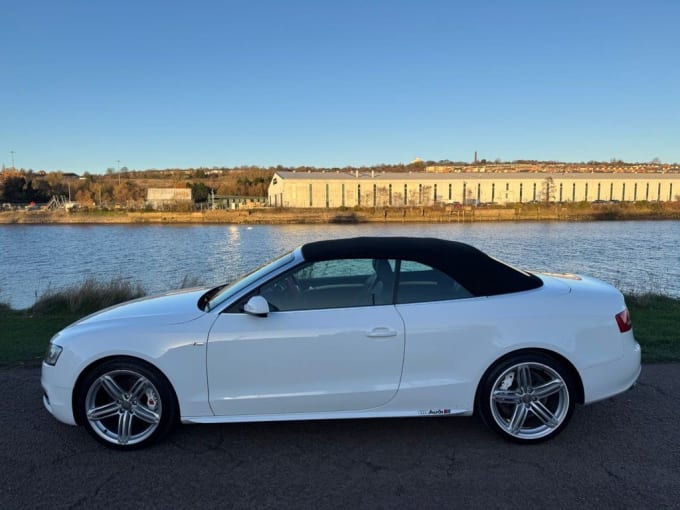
352	328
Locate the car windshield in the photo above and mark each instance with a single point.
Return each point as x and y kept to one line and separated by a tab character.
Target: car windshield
246	280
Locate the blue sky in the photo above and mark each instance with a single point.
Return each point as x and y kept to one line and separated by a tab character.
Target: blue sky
334	83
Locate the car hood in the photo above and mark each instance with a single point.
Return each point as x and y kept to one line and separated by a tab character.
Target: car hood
175	307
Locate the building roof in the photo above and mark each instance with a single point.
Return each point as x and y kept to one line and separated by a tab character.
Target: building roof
428	176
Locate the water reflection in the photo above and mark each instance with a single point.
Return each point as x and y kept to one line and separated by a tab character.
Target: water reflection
641	256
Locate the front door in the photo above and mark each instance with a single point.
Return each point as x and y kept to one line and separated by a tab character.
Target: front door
315	352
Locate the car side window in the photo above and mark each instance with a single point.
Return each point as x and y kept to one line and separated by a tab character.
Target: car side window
420	283
340	283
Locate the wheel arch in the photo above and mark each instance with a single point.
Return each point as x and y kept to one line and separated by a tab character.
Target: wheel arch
580	393
78	413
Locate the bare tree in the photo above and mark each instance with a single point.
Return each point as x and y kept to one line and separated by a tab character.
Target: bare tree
548	191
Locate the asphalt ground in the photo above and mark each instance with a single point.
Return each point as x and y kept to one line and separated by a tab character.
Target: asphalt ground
620	453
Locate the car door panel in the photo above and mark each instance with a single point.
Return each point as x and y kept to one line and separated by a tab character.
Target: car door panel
339	359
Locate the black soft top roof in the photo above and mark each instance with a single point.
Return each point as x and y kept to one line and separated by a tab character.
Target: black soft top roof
472	268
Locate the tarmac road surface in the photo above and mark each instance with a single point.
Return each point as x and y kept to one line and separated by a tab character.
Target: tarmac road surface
620	453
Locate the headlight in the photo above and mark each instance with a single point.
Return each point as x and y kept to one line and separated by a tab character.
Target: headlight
52	354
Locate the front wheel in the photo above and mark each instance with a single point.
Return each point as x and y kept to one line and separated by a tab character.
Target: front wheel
126	404
527	398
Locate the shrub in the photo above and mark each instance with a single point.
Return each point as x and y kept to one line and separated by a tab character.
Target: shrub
87	297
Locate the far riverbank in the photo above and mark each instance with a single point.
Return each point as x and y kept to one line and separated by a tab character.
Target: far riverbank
279	216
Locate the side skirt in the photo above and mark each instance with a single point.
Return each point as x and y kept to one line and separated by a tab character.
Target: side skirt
326	416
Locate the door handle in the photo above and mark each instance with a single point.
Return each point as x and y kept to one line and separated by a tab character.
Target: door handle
381	333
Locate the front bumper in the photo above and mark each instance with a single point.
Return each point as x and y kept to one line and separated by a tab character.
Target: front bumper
57	395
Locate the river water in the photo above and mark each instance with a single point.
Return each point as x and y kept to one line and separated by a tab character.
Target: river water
636	256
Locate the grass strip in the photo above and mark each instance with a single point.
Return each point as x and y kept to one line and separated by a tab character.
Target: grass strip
24	334
656	324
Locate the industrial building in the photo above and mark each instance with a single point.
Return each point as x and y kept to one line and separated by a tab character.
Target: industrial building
163	197
343	189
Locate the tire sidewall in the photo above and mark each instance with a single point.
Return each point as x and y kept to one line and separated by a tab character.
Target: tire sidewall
493	373
160	382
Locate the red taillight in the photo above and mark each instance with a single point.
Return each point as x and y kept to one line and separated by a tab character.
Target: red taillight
623	320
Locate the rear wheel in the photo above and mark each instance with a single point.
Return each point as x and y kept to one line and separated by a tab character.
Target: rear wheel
527	398
126	404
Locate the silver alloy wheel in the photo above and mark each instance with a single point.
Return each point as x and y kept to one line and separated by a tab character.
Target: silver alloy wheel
123	407
529	400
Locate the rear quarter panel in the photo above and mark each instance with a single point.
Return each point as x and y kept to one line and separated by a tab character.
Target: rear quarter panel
450	344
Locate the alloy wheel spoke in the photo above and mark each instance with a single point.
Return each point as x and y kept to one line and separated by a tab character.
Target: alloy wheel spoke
112	387
102	412
146	414
138	388
544	414
506	397
547	389
519	416
524	378
124	427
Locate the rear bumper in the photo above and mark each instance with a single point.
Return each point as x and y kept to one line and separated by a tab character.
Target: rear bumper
611	378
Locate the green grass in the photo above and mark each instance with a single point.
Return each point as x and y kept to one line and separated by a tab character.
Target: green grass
656	324
24	334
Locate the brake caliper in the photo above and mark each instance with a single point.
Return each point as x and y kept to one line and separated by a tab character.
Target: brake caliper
507	381
151	399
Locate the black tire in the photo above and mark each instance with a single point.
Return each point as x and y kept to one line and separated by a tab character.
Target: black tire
527	397
126	404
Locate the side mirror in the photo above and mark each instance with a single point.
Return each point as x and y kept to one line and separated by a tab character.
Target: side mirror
258	306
